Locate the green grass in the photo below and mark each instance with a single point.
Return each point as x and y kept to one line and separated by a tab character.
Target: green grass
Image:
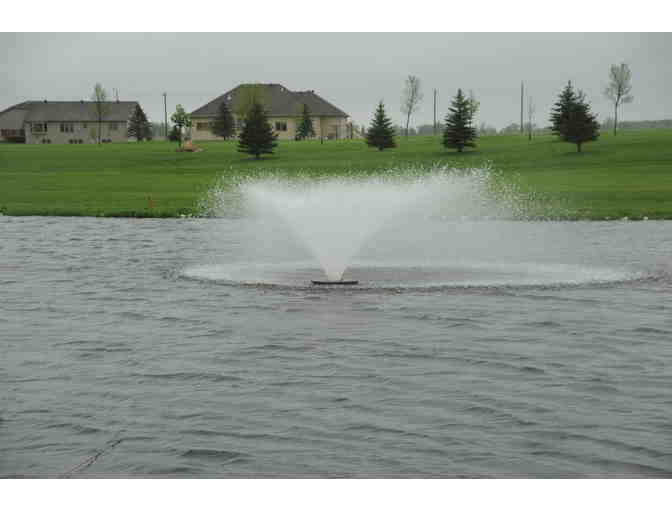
626	175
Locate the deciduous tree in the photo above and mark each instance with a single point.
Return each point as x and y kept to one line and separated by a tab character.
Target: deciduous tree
180	120
619	88
247	96
101	107
410	99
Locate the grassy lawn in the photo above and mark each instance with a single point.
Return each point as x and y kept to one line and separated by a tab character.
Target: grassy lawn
626	175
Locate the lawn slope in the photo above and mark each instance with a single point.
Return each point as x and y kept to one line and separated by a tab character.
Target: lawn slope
625	175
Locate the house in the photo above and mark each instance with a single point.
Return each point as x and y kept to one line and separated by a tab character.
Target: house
65	122
283	107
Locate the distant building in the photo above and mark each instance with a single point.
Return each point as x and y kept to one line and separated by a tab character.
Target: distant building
283	107
65	122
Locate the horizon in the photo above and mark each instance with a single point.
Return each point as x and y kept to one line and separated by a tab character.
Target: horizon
338	67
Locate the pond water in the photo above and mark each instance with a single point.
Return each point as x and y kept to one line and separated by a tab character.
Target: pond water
199	348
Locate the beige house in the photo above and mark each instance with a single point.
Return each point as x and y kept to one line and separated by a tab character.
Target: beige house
283	108
65	122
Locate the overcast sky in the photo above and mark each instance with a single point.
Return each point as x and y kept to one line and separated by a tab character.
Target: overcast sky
352	71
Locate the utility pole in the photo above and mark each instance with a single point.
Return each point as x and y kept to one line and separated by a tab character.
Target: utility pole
165	113
530	113
434	112
521	107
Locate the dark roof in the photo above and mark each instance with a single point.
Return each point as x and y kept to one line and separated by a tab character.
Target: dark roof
278	101
72	111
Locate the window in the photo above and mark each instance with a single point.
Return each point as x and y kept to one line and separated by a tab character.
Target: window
281	126
38	127
203	126
114	126
84	125
67	127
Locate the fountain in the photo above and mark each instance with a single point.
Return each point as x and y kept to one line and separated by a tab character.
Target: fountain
415	229
335	217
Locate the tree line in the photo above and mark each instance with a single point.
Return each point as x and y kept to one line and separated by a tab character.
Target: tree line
571	118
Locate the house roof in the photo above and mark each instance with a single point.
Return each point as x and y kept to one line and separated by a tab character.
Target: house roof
66	111
13	117
278	101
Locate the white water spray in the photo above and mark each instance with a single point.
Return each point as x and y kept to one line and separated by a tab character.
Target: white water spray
335	217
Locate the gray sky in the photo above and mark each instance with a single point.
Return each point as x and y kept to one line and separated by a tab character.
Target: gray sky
353	71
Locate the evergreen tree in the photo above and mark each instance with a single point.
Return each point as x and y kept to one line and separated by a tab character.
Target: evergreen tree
581	126
257	135
381	132
459	133
223	124
305	129
138	125
560	111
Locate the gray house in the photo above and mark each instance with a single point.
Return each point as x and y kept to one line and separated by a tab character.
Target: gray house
65	122
283	108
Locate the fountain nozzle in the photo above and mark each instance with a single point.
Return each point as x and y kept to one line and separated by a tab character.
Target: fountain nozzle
335	282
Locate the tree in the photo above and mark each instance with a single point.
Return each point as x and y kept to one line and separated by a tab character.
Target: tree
174	134
180	119
410	98
223	124
305	129
530	114
381	132
474	105
459	133
101	107
560	110
246	97
512	128
618	90
581	125
257	136
138	125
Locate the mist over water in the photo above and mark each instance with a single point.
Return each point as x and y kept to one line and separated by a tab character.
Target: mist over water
407	228
334	218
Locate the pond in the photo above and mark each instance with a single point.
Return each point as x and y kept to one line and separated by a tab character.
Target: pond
198	347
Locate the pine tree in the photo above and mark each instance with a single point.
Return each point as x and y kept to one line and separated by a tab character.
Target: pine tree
305	129
560	111
581	125
459	133
257	136
223	124
381	132
138	125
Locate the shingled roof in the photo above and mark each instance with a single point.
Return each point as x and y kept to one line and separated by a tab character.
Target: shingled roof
278	101
71	111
